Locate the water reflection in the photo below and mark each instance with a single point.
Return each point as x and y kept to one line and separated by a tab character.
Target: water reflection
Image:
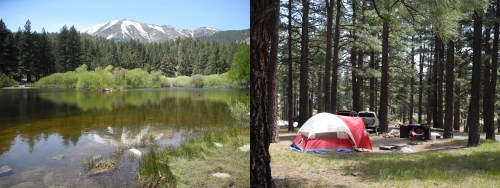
37	124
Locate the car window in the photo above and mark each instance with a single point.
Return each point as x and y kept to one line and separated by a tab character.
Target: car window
366	115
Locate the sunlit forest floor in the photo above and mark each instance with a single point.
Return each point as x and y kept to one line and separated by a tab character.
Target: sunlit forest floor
439	163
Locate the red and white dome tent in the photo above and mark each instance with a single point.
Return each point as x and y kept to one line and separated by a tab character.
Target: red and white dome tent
327	132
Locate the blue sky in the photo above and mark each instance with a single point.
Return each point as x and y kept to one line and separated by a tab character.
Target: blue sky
181	14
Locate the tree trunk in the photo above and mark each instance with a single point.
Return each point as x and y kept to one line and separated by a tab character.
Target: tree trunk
473	114
489	121
430	85
273	64
440	113
319	94
336	62
354	50
372	83
290	70
328	57
261	17
420	82
450	65
304	65
494	69
412	83
435	92
384	81
456	108
486	78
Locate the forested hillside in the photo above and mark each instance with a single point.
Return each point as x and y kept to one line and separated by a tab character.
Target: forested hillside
30	55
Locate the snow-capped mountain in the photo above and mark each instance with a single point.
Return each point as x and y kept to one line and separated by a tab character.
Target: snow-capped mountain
126	29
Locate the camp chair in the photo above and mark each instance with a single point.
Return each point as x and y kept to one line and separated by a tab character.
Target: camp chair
416	135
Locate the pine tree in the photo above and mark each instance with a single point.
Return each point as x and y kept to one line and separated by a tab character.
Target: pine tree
26	53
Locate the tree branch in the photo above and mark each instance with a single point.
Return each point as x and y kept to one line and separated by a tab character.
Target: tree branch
378	13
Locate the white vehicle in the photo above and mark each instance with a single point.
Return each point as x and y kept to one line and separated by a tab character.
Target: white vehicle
370	119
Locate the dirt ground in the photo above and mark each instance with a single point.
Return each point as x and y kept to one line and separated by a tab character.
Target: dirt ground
288	173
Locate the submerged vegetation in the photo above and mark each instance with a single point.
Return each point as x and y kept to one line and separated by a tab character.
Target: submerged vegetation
120	78
193	163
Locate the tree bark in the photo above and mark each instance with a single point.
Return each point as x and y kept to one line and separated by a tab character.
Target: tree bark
489	121
273	64
450	76
384	81
336	62
356	93
440	113
372	83
494	69
486	79
328	57
290	69
261	18
304	65
412	84
473	114
436	92
420	82
456	108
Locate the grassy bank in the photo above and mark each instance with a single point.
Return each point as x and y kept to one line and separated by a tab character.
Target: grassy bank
194	162
119	78
466	167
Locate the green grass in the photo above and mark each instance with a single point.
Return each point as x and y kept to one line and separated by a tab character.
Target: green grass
465	167
193	163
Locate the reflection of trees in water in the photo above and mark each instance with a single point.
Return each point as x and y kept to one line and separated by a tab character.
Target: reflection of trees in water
128	111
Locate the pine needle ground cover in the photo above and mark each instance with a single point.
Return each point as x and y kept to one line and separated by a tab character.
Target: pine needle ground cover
454	167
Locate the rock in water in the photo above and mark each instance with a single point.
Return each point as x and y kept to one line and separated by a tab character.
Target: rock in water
135	151
6	171
245	148
221	175
219	145
58	157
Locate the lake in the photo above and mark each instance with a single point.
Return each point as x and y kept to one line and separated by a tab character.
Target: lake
47	134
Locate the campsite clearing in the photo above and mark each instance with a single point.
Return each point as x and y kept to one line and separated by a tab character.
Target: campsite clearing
439	163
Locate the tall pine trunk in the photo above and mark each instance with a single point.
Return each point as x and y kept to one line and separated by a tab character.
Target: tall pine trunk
486	78
489	122
290	70
494	71
273	64
261	17
328	57
473	113
304	65
354	74
336	62
384	81
412	84
372	83
420	82
450	76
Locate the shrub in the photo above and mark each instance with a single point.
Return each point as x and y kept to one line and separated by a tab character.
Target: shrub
59	80
240	111
6	81
197	81
180	81
95	80
155	79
